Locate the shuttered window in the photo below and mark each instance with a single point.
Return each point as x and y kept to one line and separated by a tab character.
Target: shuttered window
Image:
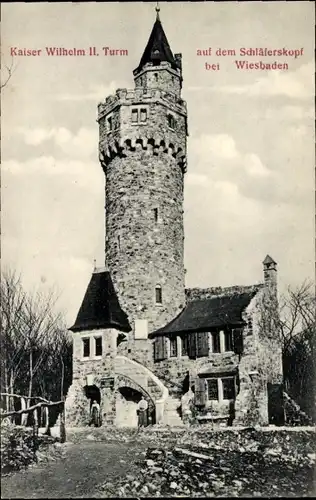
173	348
184	345
200	392
198	344
229	391
228	335
202	346
160	348
192	345
216	346
212	389
238	340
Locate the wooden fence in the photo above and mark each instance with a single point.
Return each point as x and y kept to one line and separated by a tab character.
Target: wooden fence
43	403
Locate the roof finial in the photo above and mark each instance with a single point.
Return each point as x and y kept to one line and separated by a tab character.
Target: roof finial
157	10
94	264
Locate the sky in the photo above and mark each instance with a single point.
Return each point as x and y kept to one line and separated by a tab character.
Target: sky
249	186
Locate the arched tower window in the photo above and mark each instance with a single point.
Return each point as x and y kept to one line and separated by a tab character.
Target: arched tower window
156	77
171	121
158	294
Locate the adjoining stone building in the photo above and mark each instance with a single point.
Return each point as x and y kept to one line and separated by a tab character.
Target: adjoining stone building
139	331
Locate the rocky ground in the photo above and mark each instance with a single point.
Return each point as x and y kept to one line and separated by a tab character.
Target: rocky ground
199	462
224	463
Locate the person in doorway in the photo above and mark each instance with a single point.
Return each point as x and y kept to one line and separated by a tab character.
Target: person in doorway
142	408
95	414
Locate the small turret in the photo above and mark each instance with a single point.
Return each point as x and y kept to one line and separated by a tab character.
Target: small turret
158	67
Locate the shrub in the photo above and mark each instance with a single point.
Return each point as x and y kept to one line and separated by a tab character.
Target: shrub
18	447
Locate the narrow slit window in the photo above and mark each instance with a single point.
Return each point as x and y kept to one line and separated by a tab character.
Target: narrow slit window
212	389
110	123
156	214
216	346
98	346
86	347
119	242
134	115
171	121
173	348
156	77
158	291
249	324
143	115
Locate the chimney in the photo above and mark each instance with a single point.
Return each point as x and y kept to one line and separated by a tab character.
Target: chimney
178	59
270	272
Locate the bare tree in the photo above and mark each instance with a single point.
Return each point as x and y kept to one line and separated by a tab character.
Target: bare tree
13	299
7	71
287	332
40	324
34	341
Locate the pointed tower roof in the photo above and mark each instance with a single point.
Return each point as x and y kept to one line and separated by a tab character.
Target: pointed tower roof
268	260
157	48
100	307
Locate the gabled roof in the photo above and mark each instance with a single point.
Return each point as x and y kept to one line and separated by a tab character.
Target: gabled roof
268	260
100	307
157	48
204	314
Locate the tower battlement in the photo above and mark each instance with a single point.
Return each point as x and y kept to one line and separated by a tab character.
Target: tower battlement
129	97
155	145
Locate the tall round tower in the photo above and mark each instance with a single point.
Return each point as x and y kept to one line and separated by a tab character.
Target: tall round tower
143	154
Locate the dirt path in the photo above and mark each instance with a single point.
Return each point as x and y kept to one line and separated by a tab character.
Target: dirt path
95	463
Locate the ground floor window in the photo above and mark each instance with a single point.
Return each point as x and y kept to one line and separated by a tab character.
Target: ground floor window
212	389
221	388
229	391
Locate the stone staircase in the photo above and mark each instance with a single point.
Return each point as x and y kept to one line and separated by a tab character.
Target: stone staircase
294	414
171	416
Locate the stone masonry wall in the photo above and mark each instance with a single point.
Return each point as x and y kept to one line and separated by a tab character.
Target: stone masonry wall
77	404
206	293
162	76
144	164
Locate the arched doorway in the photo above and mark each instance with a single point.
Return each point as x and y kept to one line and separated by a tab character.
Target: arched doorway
92	393
127	398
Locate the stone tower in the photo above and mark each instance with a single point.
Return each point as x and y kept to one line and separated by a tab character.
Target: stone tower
142	147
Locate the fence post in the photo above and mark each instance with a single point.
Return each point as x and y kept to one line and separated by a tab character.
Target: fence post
62	423
24	415
35	424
